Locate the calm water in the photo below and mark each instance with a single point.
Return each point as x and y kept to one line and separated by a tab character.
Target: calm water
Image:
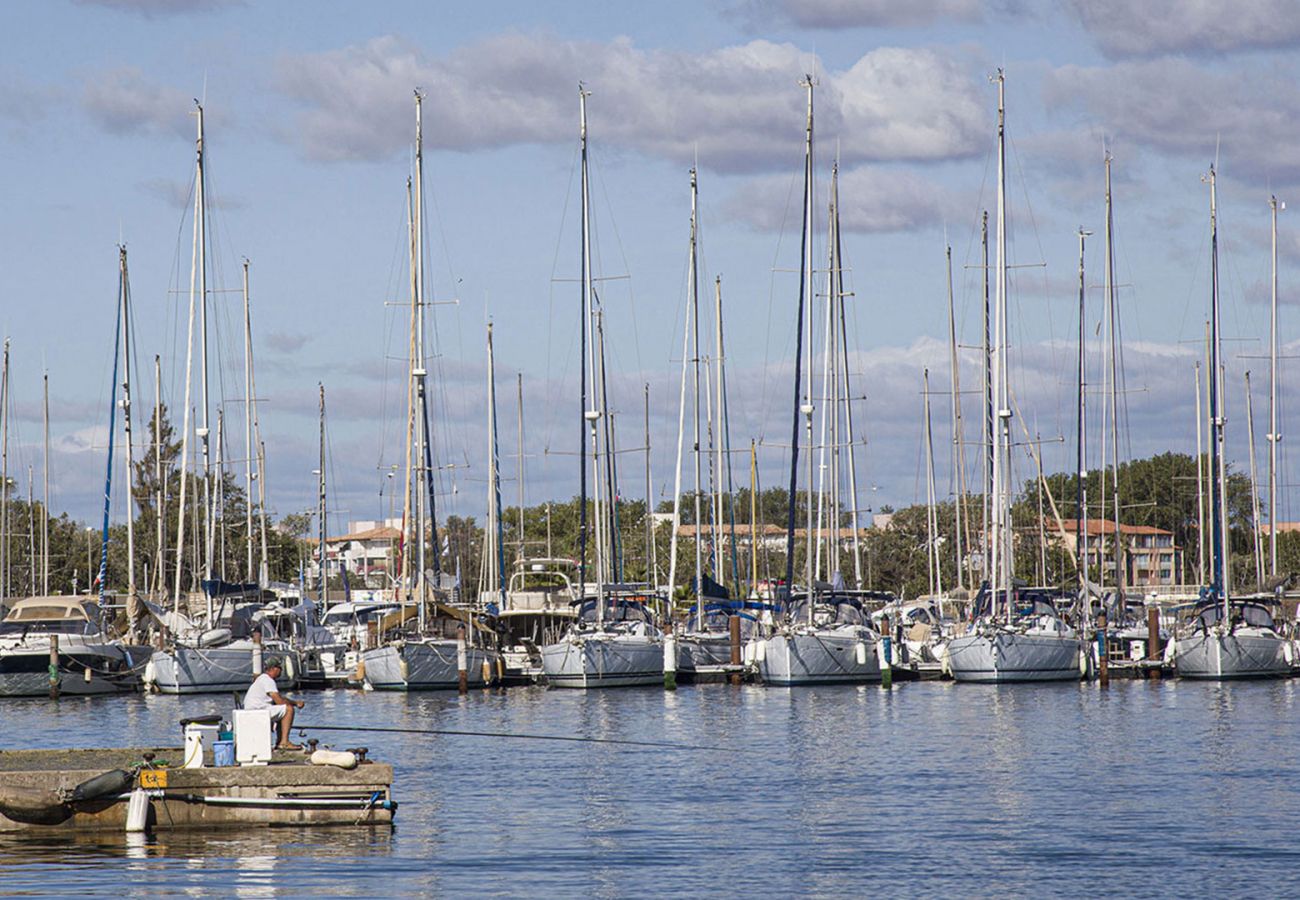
1167	788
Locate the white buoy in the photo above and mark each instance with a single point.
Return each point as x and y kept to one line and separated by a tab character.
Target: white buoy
137	811
860	652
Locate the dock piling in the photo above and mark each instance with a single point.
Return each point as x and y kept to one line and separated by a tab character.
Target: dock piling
54	667
1154	650
734	630
462	661
1103	653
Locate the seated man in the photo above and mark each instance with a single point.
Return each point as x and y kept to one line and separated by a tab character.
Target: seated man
265	694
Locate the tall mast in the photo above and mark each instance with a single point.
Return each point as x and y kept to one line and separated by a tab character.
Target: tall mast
125	312
410	528
588	416
753	519
958	449
1081	445
45	513
421	373
1257	544
263	567
201	244
321	512
1113	349
694	277
803	326
806	264
838	299
719	565
519	389
248	434
591	416
931	517
160	579
1274	436
1218	467
1002	532
497	562
986	436
650	576
4	475
827	487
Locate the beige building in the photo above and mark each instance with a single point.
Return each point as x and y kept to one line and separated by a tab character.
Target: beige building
1150	556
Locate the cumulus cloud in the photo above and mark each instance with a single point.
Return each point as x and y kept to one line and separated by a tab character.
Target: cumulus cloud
156	8
122	101
1178	108
739	108
1151	27
857	13
286	342
22	103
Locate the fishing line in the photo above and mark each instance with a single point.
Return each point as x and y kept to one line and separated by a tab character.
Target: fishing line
503	734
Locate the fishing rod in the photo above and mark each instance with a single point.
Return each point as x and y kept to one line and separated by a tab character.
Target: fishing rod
504	734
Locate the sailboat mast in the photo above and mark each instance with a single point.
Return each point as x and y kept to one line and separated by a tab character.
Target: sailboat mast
425	458
263	567
160	579
1081	444
519	391
696	381
320	506
248	434
588	422
590	416
650	574
719	564
45	513
1274	436
808	407
126	423
1218	468
839	297
986	436
4	475
1112	341
1002	543
497	567
201	243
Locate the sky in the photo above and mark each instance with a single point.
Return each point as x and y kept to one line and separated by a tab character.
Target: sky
310	124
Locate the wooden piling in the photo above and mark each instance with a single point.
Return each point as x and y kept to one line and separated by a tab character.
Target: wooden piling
462	661
54	667
734	628
670	661
1154	650
257	652
1103	652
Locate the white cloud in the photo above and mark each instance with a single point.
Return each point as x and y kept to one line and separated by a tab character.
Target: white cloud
858	13
158	8
122	101
1176	107
1151	27
739	108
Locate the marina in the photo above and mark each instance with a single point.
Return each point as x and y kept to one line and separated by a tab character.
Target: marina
1033	790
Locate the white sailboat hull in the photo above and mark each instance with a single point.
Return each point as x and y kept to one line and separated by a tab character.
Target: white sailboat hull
1218	654
429	665
1010	656
210	670
819	656
604	659
702	650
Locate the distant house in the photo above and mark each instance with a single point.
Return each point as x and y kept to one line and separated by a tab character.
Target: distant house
368	551
1150	556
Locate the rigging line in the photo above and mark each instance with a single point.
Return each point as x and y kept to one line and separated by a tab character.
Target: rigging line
514	735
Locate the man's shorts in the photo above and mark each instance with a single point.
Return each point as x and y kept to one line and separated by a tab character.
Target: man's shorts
277	711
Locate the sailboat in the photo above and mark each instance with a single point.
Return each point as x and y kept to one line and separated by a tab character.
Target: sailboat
77	631
704	646
825	635
1015	635
1225	638
222	648
615	641
428	643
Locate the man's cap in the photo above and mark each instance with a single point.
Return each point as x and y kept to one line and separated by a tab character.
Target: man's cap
272	662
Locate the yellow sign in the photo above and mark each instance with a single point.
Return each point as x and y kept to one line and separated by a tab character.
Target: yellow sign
153	779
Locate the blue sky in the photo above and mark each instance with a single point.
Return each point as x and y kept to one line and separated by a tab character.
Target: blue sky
309	131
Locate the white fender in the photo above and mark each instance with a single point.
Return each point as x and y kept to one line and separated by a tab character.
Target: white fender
341	758
1171	651
860	652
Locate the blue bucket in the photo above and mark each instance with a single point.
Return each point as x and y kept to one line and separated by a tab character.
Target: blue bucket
223	753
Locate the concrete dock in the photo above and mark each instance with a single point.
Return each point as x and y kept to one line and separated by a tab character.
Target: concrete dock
37	786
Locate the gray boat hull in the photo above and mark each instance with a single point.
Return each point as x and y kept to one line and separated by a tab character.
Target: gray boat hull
604	659
428	665
211	670
1009	656
1217	654
819	656
24	670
